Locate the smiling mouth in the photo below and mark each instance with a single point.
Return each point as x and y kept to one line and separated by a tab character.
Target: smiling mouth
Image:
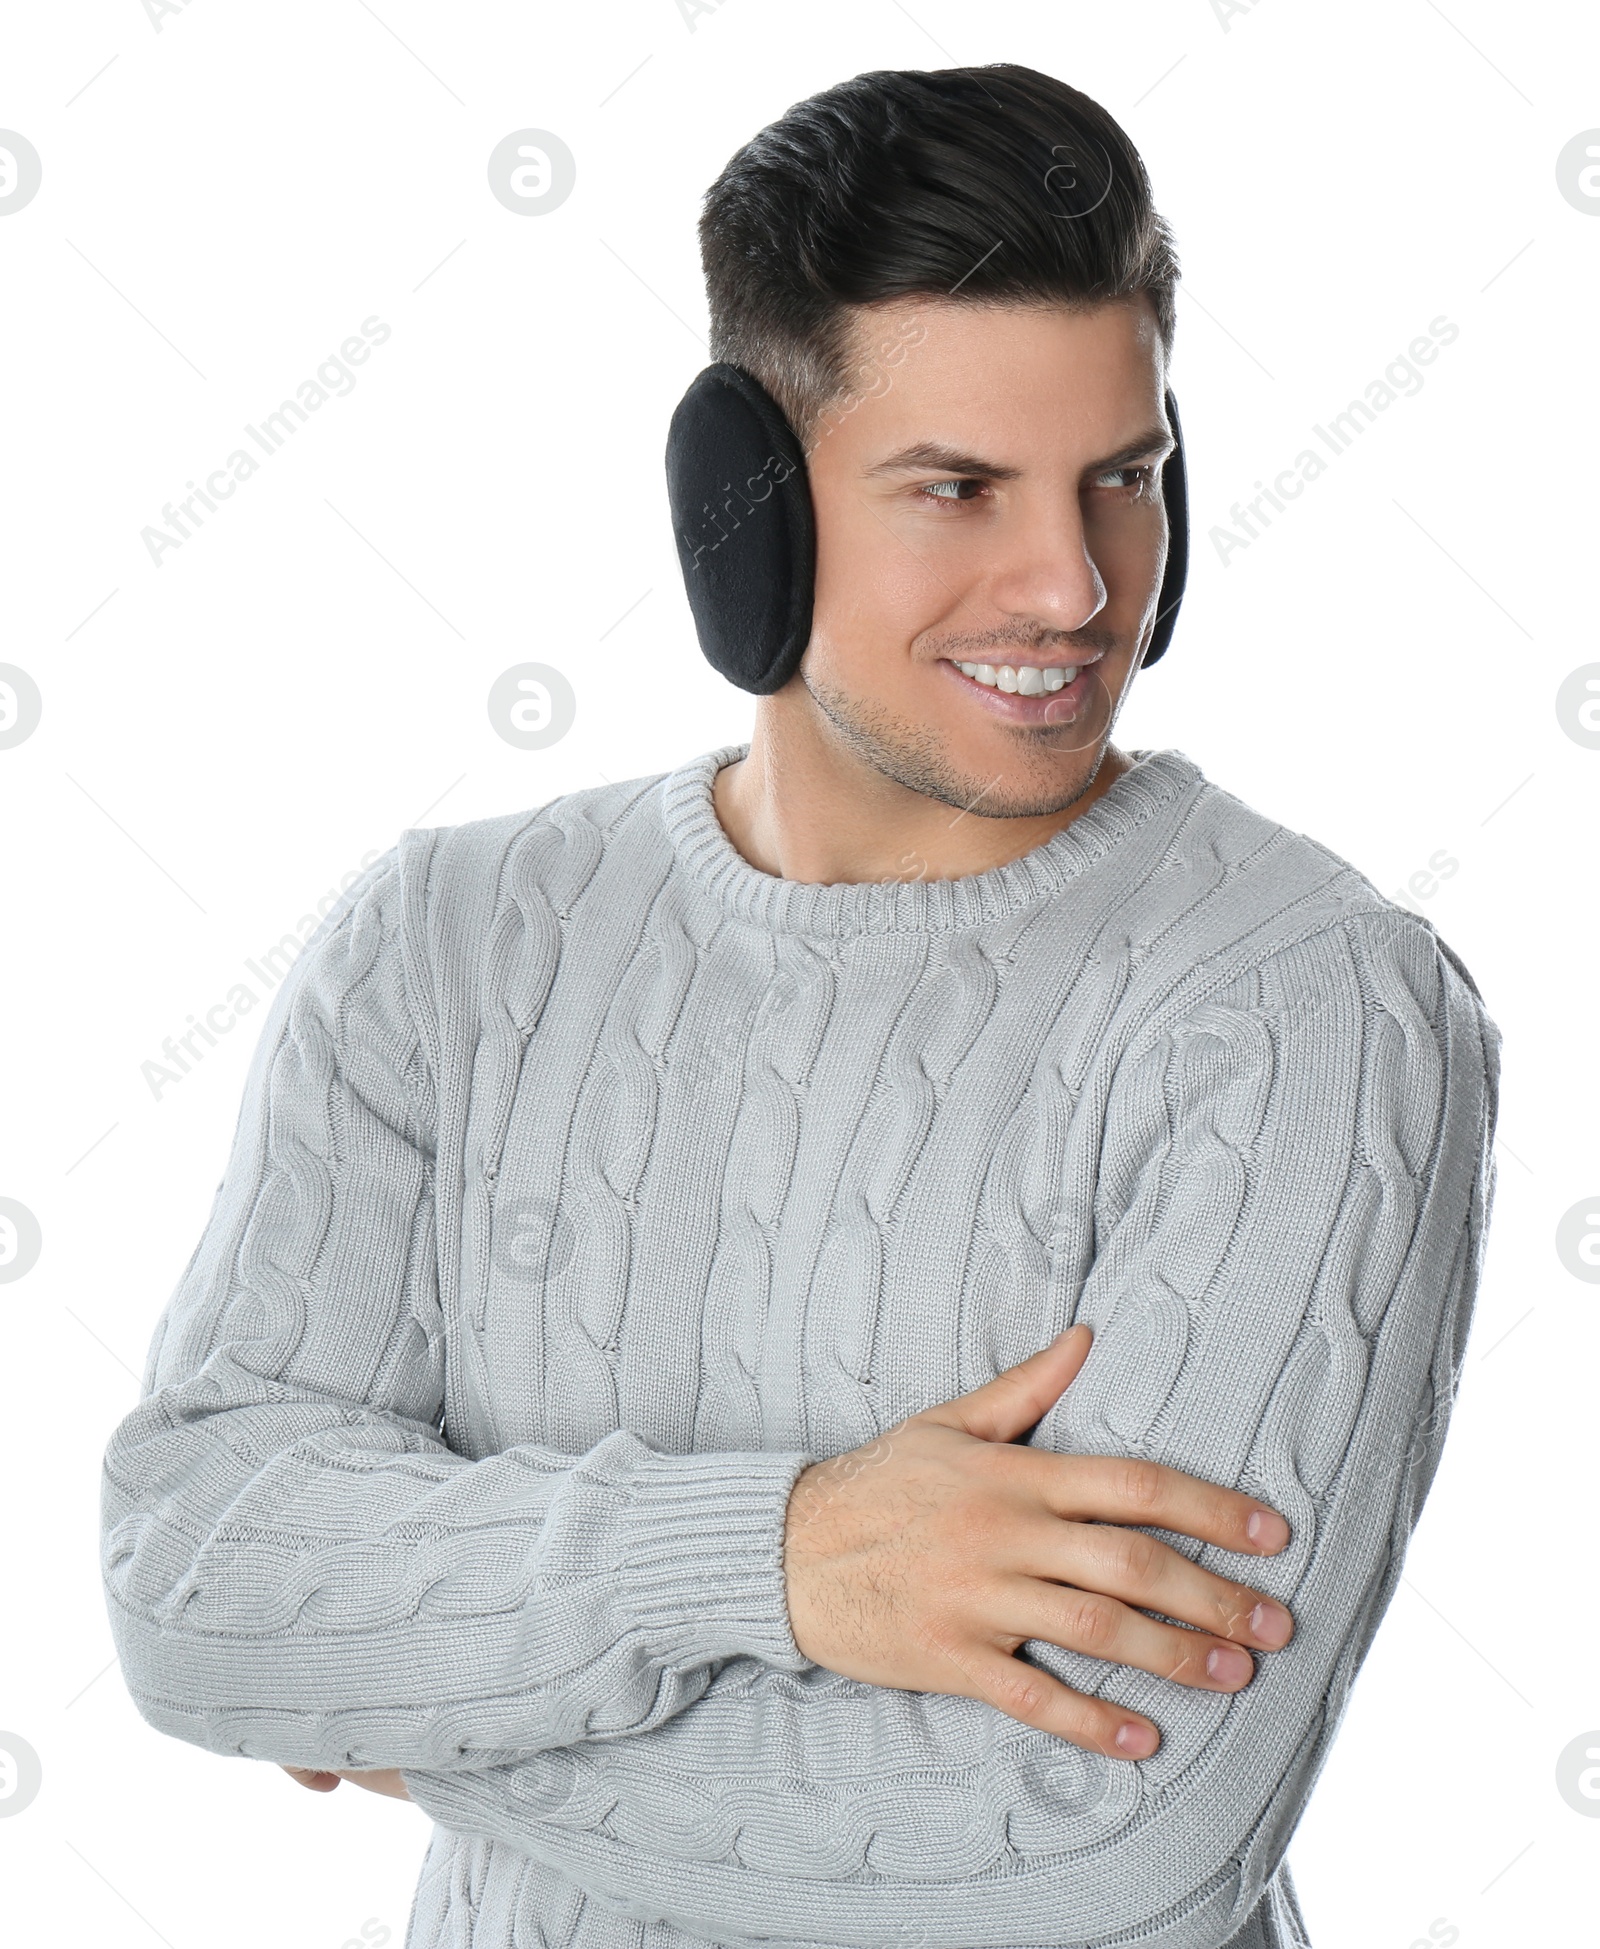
1025	679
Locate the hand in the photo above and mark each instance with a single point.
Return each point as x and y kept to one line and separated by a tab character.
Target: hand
384	1779
924	1559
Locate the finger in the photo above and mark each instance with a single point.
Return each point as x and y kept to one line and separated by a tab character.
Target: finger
1034	1697
384	1779
1100	1626
1142	1570
306	1776
1130	1489
1014	1400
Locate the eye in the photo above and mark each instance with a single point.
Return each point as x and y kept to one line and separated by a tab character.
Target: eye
934	490
1142	477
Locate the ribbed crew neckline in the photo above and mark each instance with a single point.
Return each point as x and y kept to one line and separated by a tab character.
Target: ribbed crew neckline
1155	779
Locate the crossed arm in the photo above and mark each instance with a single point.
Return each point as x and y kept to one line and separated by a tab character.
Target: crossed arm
923	1559
698	1768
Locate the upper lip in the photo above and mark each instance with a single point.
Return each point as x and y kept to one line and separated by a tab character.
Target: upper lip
1076	661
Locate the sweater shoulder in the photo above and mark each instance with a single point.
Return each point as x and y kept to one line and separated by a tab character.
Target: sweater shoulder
460	888
606	809
1235	889
444	863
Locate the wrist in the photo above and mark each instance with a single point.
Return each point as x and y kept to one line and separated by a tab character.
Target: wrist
703	1546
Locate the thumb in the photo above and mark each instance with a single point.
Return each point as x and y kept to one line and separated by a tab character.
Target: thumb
1019	1396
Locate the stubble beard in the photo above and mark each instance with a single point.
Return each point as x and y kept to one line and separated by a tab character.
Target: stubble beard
914	756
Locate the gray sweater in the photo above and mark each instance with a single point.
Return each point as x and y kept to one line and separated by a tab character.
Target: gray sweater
590	1182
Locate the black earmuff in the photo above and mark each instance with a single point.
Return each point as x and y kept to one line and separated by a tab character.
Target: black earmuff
741	512
1175	492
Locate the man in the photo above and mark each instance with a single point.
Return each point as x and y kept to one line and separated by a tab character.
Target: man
623	1398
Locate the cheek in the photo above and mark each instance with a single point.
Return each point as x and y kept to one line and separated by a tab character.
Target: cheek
872	584
1129	555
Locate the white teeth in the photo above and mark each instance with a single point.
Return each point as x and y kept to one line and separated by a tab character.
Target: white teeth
1025	679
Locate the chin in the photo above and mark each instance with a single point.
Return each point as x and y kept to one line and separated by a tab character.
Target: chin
1029	793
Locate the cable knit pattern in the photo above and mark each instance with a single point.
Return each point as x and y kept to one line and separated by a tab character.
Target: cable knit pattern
589	1183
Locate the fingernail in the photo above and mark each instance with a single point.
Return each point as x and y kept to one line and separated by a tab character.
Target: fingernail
1228	1665
1271	1623
1267	1528
1135	1740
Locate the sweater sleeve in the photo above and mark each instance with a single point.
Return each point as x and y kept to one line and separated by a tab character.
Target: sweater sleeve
297	1566
1296	1178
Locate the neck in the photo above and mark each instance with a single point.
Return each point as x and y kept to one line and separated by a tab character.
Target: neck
806	805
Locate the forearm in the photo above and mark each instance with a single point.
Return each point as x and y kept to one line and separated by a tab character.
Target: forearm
370	1599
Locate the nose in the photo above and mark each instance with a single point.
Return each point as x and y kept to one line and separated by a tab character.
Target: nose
1044	572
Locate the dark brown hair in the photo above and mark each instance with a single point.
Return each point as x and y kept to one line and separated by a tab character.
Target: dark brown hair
983	185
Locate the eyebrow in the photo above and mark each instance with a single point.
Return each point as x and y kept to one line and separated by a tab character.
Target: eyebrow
932	455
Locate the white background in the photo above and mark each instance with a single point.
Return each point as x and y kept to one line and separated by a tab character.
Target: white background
227	193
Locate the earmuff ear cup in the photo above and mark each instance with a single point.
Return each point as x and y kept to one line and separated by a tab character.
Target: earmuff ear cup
741	511
1175	492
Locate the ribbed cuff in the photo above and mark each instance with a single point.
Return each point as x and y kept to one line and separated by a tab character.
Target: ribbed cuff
701	1548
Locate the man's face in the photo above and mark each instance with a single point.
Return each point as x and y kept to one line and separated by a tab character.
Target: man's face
990	494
